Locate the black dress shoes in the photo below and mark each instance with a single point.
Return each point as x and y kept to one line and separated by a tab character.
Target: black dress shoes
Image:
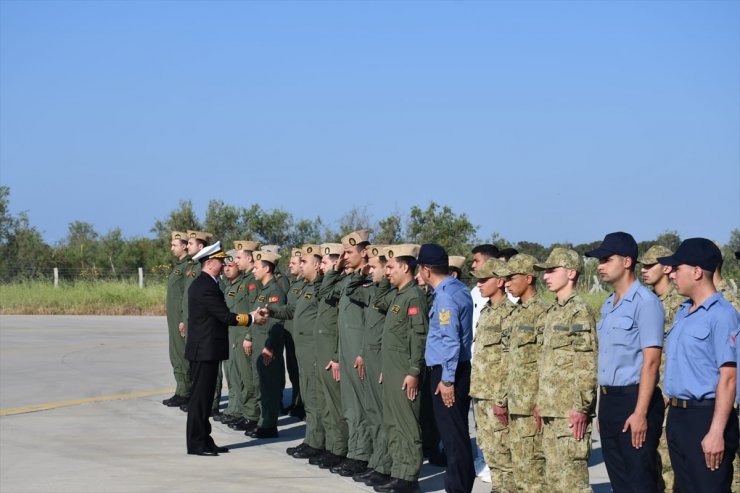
219	450
184	407
360	477
349	467
167	402
293	450
328	461
243	424
307	452
376	479
175	401
203	451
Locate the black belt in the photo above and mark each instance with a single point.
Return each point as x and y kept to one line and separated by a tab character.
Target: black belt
689	403
625	389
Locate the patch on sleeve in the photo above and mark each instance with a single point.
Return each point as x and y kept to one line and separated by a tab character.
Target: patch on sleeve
395	309
413	310
252	287
444	317
261	298
308	296
274	299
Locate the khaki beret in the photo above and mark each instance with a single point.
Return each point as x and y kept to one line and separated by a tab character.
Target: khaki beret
199	235
376	251
270	248
405	250
296	252
247	245
266	256
179	235
457	261
355	238
332	249
311	249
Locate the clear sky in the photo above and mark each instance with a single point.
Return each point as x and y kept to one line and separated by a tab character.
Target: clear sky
543	121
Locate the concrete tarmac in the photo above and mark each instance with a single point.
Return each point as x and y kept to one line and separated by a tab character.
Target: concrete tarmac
80	411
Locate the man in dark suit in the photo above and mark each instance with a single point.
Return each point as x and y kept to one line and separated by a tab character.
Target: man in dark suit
208	345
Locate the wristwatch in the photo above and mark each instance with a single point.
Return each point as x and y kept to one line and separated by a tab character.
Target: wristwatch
447	383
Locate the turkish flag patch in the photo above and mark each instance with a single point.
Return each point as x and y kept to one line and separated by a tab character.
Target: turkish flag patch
252	287
412	311
274	299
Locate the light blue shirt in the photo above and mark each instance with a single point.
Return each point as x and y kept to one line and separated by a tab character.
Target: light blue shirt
697	345
450	327
625	329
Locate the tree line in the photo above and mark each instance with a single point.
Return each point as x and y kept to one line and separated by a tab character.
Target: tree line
87	254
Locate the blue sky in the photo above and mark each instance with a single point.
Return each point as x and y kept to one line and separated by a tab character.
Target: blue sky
543	121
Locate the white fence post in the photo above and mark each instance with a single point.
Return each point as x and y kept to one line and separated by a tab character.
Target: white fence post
141	277
56	277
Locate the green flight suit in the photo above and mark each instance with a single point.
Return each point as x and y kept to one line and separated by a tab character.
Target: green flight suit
246	403
340	287
303	311
326	333
175	294
231	292
374	320
404	341
270	335
291	361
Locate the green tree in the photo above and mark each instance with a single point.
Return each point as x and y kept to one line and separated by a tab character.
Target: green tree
439	224
180	219
389	231
224	221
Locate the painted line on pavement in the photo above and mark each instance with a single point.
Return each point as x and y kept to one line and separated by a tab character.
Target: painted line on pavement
77	402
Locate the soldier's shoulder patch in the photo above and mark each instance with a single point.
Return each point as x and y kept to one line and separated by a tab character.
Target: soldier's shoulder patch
444	317
193	274
296	291
274	299
251	286
231	294
308	296
178	272
413	310
241	288
396	309
261	298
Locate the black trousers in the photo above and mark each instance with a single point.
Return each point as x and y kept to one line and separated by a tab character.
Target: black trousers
630	470
685	430
452	423
199	408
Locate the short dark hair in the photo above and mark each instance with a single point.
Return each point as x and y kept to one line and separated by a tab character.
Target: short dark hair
409	261
486	249
456	271
441	270
334	256
269	265
507	253
202	243
362	245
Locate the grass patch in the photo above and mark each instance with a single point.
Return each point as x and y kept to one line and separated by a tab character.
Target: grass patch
82	298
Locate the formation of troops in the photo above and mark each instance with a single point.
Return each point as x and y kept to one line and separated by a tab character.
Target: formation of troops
386	349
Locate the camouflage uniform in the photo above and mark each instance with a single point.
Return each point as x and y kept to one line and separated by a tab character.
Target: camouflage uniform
527	458
567	380
486	387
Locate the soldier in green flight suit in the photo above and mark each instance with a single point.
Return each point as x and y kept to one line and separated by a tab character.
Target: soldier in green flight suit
266	343
337	286
296	407
404	340
175	293
527	457
197	240
379	464
231	279
303	312
326	334
245	412
656	275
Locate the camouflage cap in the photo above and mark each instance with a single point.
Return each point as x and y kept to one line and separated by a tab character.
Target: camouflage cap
332	249
376	251
355	238
562	257
247	245
199	235
651	256
179	235
492	268
230	256
311	249
270	248
405	250
266	256
521	263
457	261
296	252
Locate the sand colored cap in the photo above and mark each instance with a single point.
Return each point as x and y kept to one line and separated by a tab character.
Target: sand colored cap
271	248
355	238
492	268
332	249
266	256
296	252
405	250
651	256
521	263
199	235
247	245
230	256
376	251
311	249
457	261
179	235
561	257
209	252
